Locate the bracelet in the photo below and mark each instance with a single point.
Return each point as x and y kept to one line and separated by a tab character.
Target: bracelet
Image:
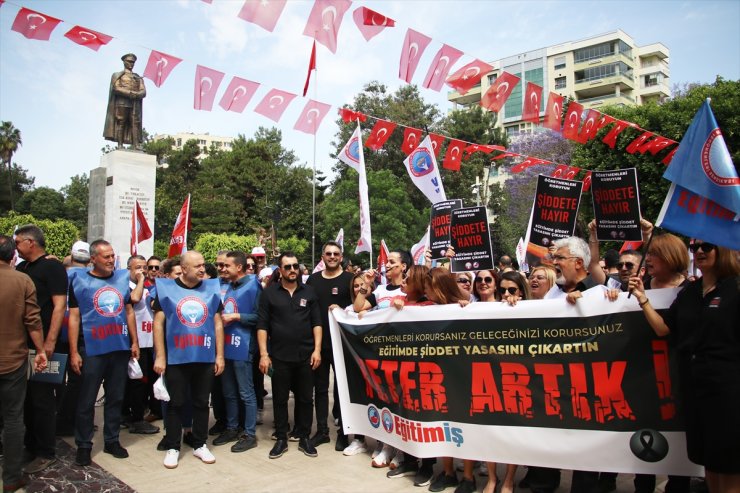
643	303
265	356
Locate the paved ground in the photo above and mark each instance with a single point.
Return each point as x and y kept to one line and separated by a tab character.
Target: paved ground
250	471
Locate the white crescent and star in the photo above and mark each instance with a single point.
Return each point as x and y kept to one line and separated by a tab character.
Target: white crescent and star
280	100
85	38
309	112
476	71
572	121
502	89
241	89
34	26
446	60
333	11
382	132
203	80
413	50
454	152
375	16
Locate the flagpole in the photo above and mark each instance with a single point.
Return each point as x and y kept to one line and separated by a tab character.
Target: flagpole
313	198
187	221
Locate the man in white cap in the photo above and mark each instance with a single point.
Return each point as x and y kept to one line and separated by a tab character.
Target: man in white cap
80	254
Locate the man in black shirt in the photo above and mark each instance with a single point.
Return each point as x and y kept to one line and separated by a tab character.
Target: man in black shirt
50	279
290	318
332	286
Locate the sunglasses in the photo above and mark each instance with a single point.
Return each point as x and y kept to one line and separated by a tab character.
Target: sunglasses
333	254
487	280
511	291
250	266
152	267
704	247
463	281
626	265
292	266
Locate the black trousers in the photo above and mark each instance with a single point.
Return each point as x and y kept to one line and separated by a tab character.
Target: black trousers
299	376
198	377
40	416
321	391
138	391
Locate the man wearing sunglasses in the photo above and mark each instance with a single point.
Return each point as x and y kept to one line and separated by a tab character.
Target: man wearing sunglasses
152	270
290	318
629	261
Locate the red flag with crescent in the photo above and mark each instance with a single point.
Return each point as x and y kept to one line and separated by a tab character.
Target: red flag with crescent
159	66
553	112
371	23
440	67
453	156
468	76
206	85
311	116
349	116
496	95
274	104
437	141
411	139
413	47
140	229
264	13
179	239
380	134
528	163
324	21
34	25
238	94
87	37
532	103
572	121
586	182
590	126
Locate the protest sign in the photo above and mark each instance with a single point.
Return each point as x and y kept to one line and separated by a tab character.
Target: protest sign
470	239
439	227
555	385
616	199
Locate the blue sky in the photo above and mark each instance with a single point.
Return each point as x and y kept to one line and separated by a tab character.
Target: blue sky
56	92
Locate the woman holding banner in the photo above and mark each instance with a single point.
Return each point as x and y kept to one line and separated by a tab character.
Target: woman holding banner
484	286
704	322
541	279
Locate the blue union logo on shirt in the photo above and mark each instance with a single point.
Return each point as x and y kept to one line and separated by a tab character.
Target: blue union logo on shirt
108	301
192	312
230	305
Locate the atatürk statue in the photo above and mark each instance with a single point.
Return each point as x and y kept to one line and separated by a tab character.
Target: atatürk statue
123	119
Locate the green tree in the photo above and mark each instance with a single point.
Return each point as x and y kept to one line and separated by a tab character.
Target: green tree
10	139
60	234
42	203
20	181
76	194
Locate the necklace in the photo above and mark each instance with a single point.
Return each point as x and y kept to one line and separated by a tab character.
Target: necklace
707	289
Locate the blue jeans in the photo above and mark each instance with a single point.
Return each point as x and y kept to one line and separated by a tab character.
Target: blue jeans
12	395
238	389
111	370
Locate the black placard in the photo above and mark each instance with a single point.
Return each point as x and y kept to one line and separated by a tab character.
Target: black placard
470	238
439	226
554	211
616	199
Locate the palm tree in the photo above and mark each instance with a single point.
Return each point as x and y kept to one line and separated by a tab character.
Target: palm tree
10	139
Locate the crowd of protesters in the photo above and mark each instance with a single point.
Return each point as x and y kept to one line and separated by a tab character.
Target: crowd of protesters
254	320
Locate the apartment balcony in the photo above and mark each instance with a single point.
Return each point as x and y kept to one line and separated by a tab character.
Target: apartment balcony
655	88
596	86
472	96
604	60
607	100
656	49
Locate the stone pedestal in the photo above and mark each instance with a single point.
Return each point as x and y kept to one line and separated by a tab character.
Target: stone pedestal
123	177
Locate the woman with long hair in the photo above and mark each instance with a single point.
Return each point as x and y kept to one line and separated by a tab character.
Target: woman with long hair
704	320
412	287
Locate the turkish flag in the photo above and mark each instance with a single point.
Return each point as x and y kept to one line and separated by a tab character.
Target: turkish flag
159	66
468	76
140	229
324	21
496	95
485	149
572	121
605	120
553	112
87	37
637	145
311	116
370	23
559	171
610	138
453	155
590	126
349	116
413	47
528	163
207	81
440	67
532	103
179	239
311	66
274	104
656	145
437	141
238	94
380	133
586	182
411	139
382	260
34	25
571	172
264	13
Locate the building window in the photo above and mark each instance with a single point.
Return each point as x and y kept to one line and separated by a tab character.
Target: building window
559	62
591	52
179	142
202	142
492	78
651	80
560	82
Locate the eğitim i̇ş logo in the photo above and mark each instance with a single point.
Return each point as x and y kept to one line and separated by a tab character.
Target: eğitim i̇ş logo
192	312
714	151
421	162
387	418
230	305
373	416
108	302
353	150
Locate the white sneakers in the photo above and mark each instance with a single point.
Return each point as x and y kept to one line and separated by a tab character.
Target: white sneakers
384	457
204	454
356	447
171	458
378	449
397	460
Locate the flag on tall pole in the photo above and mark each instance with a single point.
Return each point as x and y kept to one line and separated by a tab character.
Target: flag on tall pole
311	68
704	199
353	156
422	168
419	249
382	260
179	239
140	229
